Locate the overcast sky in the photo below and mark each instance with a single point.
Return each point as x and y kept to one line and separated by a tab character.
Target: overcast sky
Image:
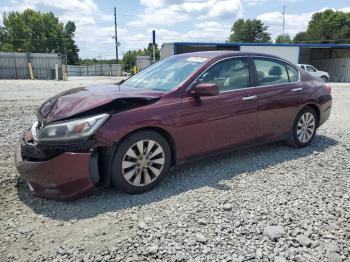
173	20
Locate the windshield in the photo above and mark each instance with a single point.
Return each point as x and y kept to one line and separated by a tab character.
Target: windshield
167	74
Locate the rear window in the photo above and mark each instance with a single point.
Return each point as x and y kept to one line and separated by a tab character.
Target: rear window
270	72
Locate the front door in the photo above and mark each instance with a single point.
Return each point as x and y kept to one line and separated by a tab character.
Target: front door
217	122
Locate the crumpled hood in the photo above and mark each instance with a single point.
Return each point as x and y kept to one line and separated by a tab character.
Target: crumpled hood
78	100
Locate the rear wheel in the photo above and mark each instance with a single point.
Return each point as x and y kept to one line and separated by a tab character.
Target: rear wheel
140	162
304	128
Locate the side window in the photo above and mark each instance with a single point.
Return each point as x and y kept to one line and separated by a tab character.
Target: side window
310	69
270	72
292	73
228	75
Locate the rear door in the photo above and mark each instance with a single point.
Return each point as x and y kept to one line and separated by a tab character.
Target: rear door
279	92
222	121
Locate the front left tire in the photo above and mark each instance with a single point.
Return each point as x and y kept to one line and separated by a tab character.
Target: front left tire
141	162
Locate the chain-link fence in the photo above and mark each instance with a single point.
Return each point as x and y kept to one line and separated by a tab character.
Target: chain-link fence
15	65
96	70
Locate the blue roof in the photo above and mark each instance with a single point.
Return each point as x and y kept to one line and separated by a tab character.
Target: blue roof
263	44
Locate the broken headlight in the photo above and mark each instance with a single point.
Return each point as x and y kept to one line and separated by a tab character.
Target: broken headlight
72	129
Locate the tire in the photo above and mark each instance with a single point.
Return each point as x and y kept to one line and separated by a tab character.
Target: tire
301	134
135	172
324	78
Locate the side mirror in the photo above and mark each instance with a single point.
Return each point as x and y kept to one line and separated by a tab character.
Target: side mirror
205	89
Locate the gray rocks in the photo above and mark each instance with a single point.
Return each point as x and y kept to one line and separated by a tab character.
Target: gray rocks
280	259
216	209
273	232
200	238
202	222
259	253
334	257
332	248
304	240
178	258
142	225
152	249
227	207
333	253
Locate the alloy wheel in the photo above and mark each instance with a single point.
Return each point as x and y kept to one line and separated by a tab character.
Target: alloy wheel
306	127
143	162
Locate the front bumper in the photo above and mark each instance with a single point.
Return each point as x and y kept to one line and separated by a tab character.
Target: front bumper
63	177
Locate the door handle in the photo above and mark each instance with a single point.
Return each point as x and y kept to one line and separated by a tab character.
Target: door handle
246	98
297	89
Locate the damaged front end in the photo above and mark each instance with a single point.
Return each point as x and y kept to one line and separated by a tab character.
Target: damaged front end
59	160
58	156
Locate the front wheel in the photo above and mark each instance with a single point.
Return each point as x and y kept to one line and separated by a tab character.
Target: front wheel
140	162
304	128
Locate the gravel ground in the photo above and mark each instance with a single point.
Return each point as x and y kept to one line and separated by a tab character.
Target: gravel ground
268	203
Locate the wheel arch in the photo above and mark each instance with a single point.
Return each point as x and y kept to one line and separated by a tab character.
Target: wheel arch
168	137
291	140
325	76
316	109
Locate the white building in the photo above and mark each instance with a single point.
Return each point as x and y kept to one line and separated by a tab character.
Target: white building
332	58
142	62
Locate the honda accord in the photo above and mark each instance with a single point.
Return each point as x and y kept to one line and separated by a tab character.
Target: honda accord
187	106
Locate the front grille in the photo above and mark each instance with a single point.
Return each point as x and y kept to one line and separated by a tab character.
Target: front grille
34	151
30	151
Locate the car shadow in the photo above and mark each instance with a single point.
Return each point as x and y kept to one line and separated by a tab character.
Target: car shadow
211	172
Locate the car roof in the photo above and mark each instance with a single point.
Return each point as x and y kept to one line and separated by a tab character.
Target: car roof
222	54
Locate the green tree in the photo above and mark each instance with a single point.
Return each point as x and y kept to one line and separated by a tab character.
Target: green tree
32	31
249	31
330	26
327	27
148	51
70	48
129	58
301	37
283	39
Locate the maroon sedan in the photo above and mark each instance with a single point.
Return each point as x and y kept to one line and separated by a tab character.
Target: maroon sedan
130	134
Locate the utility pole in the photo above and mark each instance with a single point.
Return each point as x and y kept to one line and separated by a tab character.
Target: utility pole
154	45
284	21
116	33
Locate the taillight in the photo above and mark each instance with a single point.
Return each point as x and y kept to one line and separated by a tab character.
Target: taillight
328	88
